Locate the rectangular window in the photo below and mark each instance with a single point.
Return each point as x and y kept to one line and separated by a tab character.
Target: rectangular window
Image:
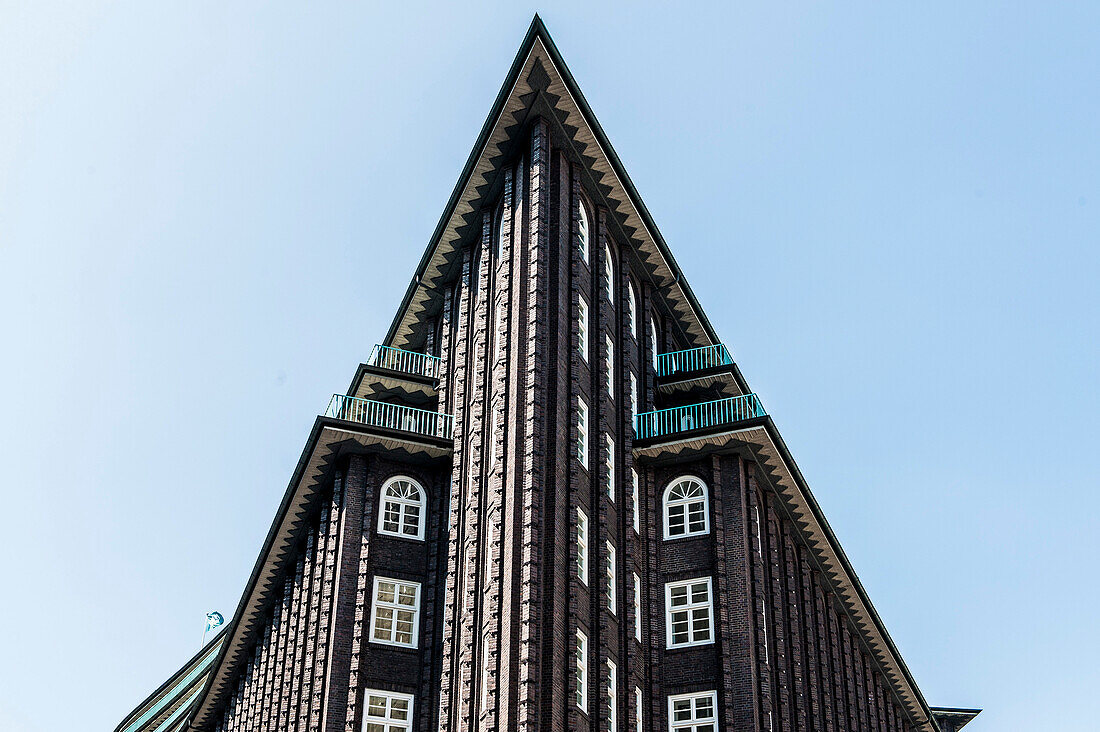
582	546
387	711
637	607
634	500
608	272
632	310
581	671
633	396
582	432
612	701
688	613
610	457
693	712
611	578
582	328
637	709
395	613
610	346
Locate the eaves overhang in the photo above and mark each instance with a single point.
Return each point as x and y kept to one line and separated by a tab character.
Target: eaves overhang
609	178
329	440
761	439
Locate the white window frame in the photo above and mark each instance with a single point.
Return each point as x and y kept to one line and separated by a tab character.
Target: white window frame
653	341
632	304
694	722
499	250
609	272
638	709
582	432
633	397
396	607
609	345
668	504
690	607
582	327
387	720
582	546
612	695
403	504
611	575
637	607
634	500
580	671
584	232
609	446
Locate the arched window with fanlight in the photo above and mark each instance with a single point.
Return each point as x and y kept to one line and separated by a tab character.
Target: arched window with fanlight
402	509
687	508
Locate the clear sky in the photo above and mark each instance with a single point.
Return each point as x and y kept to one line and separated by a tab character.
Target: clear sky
890	211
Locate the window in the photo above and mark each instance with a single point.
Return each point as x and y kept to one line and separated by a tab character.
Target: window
608	273
582	233
387	711
582	546
637	709
693	712
637	607
611	578
610	346
402	511
686	508
582	432
633	396
688	613
610	467
582	327
632	309
653	341
395	615
612	702
634	500
500	236
581	671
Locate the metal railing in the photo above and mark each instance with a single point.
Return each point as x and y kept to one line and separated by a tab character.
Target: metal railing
409	362
692	359
674	420
391	416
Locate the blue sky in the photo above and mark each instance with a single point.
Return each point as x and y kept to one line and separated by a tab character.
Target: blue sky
890	212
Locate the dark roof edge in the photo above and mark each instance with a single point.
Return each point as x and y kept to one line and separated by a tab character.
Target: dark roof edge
819	515
218	637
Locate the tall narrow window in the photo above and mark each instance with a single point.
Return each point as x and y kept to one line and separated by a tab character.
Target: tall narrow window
687	510
402	511
582	327
611	578
581	671
693	712
582	432
637	709
395	612
610	456
608	273
387	711
582	233
633	396
632	309
653	342
500	236
634	502
582	546
688	613
612	700
609	345
637	607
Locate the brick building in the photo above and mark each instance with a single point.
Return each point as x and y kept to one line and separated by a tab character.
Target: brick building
550	500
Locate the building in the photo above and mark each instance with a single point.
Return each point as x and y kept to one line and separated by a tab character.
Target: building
549	500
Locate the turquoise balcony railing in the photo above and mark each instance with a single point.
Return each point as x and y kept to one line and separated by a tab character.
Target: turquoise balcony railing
391	416
409	362
692	359
666	422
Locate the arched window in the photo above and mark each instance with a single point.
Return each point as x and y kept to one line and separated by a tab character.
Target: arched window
687	511
402	510
582	233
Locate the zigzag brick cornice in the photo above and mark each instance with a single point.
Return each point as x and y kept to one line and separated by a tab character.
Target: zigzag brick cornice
781	472
539	72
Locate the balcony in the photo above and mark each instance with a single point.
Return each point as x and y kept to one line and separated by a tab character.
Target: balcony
405	362
677	364
395	374
396	418
696	373
691	420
